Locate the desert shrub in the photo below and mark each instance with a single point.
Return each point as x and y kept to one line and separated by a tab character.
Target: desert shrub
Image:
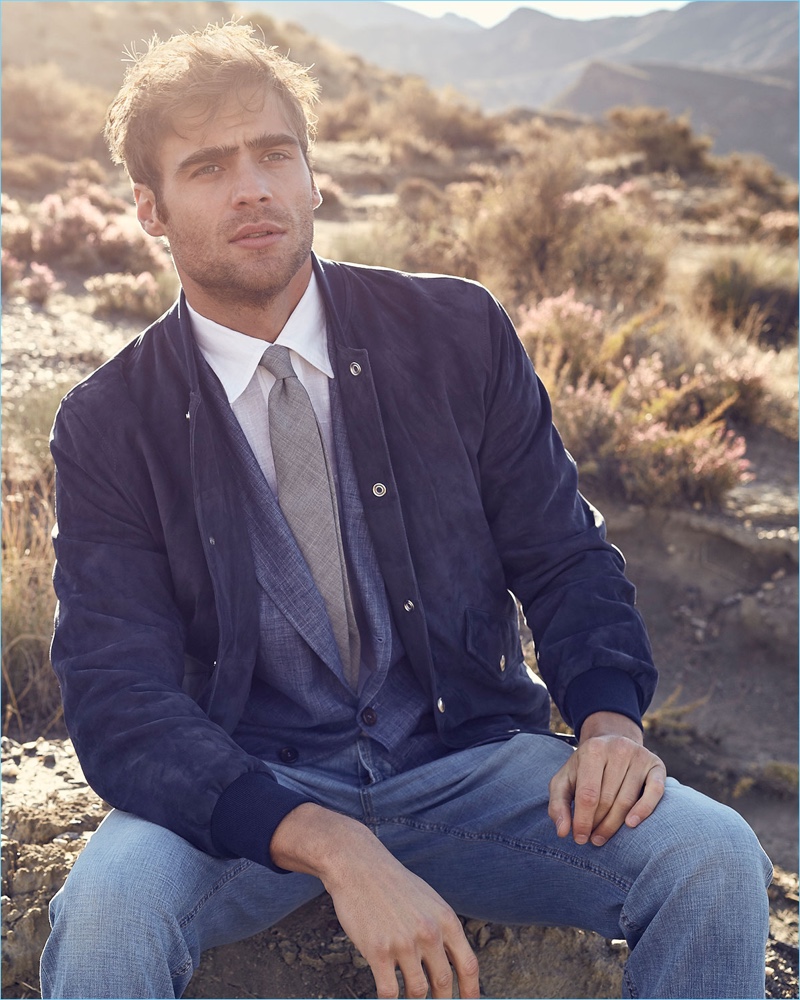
77	230
669	144
755	179
347	118
89	183
540	233
122	245
750	293
444	118
662	466
428	227
68	230
637	430
46	112
780	227
615	258
30	690
11	272
589	425
17	229
40	284
144	294
524	223
33	173
334	199
568	332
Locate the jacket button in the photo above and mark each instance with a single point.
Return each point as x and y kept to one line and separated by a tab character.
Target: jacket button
379	490
503	662
355	368
369	716
288	755
408	606
440	704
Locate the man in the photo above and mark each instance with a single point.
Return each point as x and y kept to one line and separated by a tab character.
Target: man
287	648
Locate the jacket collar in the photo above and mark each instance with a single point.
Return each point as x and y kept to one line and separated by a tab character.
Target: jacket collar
335	291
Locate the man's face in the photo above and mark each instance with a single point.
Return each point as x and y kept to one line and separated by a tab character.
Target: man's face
238	200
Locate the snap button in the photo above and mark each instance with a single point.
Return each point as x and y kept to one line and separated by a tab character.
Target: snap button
440	704
288	755
369	716
355	368
409	606
379	489
503	662
212	540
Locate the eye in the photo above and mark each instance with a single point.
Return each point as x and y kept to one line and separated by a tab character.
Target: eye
275	156
209	168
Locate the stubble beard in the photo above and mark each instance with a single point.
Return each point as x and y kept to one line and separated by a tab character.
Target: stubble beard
252	283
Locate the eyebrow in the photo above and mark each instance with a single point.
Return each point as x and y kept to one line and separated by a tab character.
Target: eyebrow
267	140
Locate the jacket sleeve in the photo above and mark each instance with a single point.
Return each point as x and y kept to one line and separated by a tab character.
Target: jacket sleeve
591	642
118	650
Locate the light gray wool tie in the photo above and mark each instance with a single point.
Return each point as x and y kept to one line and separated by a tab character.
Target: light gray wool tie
307	497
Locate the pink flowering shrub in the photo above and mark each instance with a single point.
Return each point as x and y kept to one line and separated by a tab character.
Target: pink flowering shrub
12	271
124	246
68	231
17	230
142	294
663	467
636	429
82	229
576	328
40	284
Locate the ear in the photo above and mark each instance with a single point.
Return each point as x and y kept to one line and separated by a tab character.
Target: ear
316	196
146	210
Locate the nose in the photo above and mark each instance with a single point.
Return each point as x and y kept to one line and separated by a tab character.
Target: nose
251	184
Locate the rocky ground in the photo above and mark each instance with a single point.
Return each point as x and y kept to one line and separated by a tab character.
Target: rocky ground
49	813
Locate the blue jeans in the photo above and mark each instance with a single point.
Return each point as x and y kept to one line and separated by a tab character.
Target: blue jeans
686	888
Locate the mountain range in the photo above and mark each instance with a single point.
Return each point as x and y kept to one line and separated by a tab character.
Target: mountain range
731	64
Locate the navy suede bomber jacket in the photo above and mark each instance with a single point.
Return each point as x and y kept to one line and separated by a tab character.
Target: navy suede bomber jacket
156	630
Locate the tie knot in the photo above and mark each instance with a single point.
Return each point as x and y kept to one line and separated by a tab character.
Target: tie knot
276	360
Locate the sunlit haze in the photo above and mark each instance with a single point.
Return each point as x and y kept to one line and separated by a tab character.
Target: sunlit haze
490	12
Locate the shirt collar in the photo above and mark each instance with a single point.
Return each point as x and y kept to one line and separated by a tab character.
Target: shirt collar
234	356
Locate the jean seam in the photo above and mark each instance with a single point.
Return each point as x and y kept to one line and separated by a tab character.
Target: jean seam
528	846
231	873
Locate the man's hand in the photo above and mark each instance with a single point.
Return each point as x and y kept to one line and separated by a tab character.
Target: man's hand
611	779
394	918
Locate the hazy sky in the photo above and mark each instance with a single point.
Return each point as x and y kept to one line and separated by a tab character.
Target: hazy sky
489	12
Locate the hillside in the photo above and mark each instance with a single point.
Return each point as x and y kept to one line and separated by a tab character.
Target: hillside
534	60
88	40
741	113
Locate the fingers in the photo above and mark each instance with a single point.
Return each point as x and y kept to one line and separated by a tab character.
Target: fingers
429	967
562	789
607	783
465	963
650	797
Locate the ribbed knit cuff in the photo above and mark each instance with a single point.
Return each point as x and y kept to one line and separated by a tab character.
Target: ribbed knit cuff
603	689
248	813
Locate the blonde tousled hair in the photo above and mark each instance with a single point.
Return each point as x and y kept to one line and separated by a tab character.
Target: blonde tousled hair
190	76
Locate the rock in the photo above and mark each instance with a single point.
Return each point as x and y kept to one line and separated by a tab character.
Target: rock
50	812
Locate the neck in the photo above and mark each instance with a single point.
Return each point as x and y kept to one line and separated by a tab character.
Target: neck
262	315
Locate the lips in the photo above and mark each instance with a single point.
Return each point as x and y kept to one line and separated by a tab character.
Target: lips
257	231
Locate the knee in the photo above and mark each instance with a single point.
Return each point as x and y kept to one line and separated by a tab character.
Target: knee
709	843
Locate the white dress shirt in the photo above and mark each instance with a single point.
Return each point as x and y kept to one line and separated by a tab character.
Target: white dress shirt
234	357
